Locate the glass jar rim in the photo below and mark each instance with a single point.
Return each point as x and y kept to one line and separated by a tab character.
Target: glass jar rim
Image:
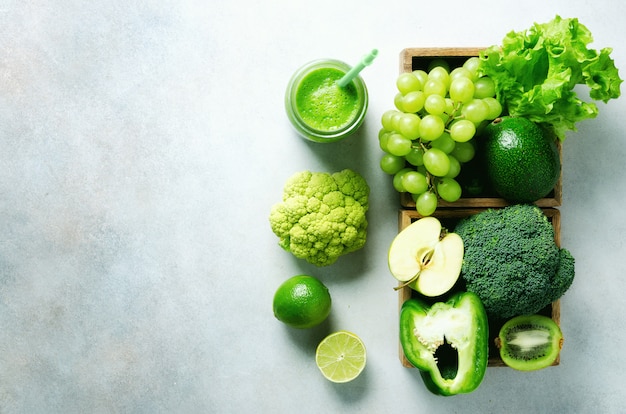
311	132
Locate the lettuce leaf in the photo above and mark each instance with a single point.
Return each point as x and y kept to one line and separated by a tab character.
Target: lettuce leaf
536	72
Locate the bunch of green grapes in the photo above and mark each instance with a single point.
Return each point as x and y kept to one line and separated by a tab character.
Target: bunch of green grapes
429	135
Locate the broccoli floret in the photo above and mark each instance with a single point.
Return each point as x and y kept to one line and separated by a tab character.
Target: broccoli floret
564	275
322	215
512	262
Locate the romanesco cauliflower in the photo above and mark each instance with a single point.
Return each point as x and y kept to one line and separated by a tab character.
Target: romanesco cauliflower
322	215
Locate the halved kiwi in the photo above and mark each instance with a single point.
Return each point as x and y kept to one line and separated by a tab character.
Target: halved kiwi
529	342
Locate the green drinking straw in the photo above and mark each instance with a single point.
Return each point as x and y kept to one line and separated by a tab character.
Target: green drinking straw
352	73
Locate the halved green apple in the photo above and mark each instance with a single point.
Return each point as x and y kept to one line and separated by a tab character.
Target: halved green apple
426	257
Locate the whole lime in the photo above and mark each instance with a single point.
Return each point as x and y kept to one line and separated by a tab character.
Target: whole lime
302	302
522	160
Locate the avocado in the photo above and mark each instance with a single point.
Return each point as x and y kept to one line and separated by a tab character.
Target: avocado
522	160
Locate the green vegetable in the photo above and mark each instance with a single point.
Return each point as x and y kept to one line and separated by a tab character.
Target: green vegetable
535	72
322	215
448	342
512	262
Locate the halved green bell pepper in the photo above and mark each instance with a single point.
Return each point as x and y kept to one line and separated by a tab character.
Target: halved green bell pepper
448	342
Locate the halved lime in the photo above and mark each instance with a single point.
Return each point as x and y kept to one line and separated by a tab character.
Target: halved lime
341	356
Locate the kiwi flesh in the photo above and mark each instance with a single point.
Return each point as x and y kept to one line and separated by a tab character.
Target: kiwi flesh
529	342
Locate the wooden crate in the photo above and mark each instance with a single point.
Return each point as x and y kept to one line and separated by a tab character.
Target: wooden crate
419	58
448	218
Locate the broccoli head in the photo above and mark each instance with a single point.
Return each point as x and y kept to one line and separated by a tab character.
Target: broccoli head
322	215
512	262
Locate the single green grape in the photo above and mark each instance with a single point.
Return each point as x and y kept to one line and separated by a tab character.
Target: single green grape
462	90
391	164
440	73
407	82
444	143
414	182
450	107
495	108
386	119
435	104
455	167
415	157
462	130
422	75
398	145
409	126
398	102
395	120
383	138
435	87
472	65
431	127
475	111
426	203
484	88
413	101
464	151
449	189
460	72
436	162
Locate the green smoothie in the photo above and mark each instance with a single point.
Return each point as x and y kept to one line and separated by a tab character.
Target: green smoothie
318	108
322	104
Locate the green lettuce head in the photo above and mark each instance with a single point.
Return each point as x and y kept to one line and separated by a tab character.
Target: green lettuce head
535	72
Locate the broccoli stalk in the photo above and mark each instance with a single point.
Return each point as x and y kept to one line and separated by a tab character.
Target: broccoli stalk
512	262
322	215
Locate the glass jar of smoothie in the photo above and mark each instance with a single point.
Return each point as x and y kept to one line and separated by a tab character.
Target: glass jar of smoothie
319	109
